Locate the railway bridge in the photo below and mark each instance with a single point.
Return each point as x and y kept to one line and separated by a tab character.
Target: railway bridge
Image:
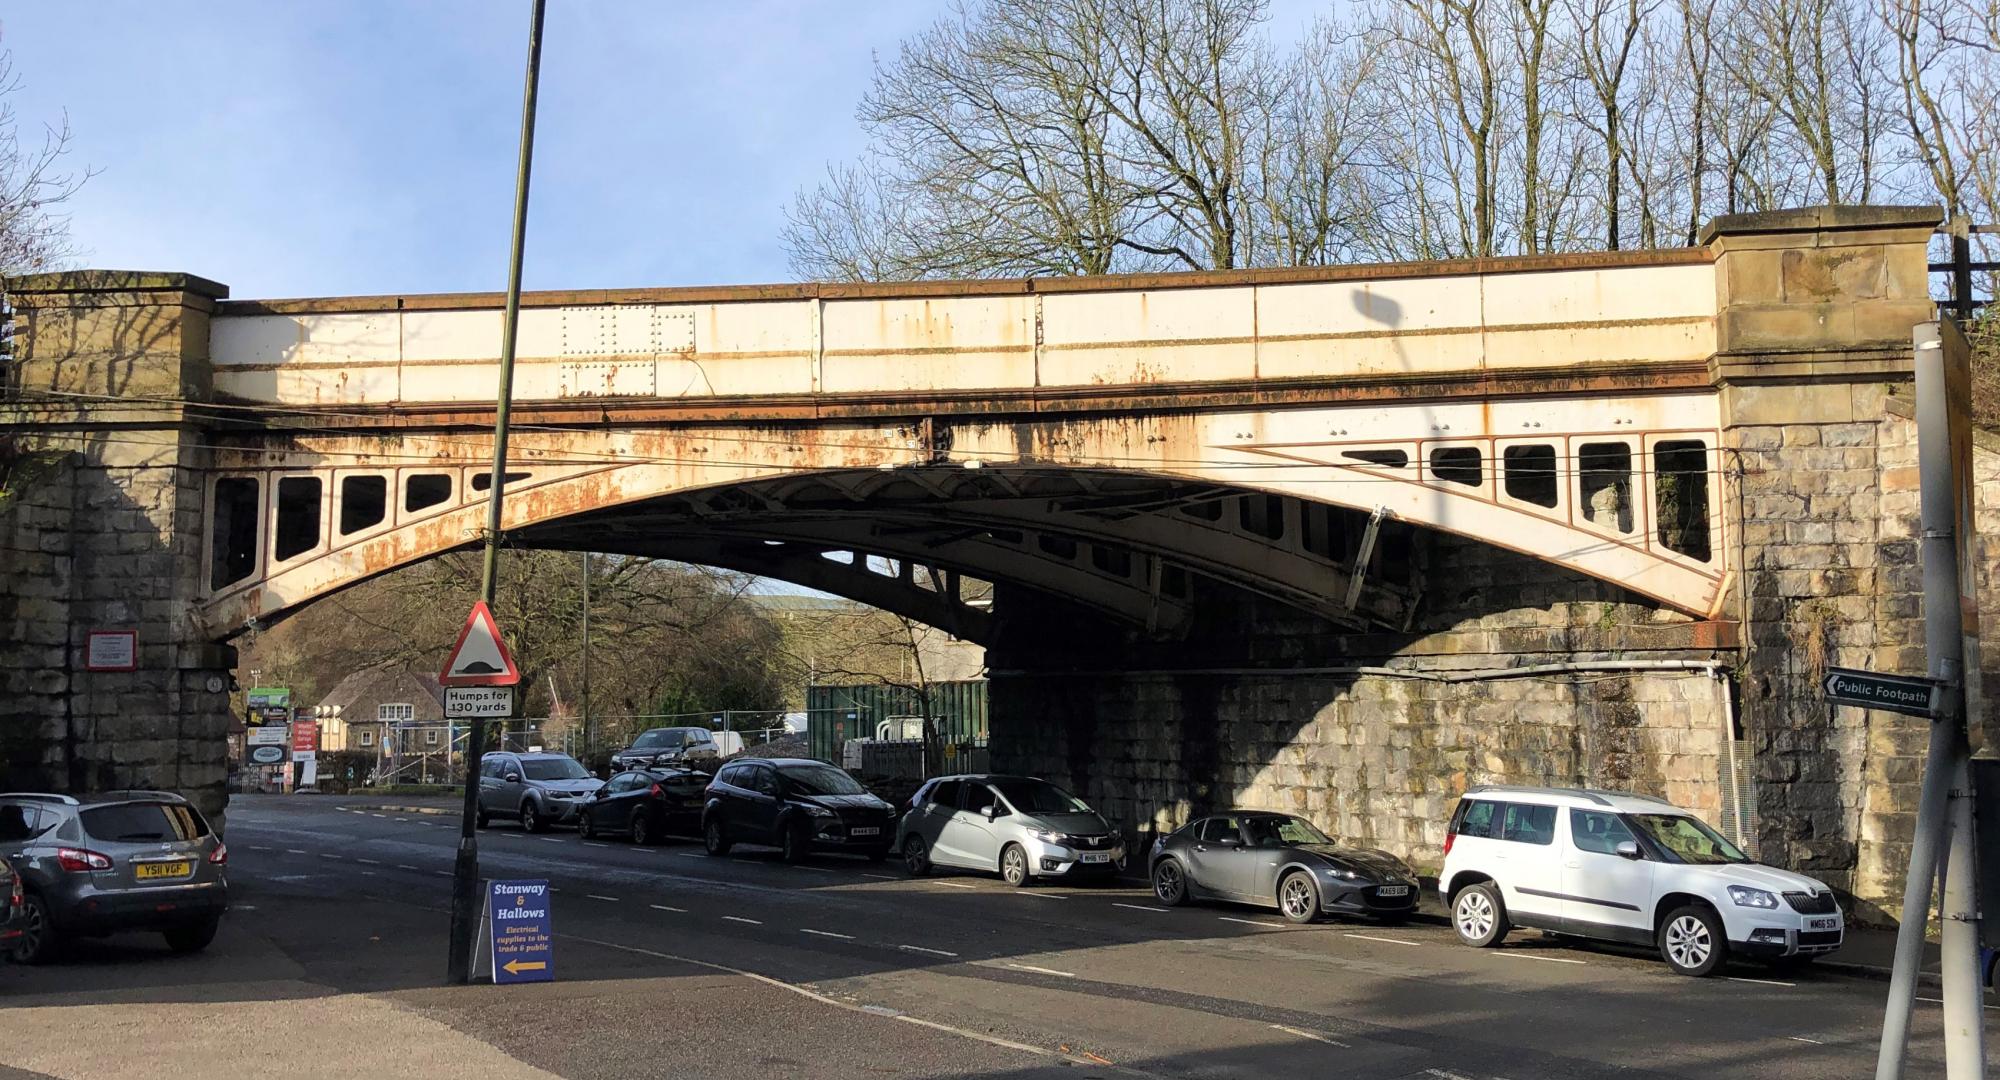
1339	540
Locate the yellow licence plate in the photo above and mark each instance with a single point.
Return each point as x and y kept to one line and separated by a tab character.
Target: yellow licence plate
149	871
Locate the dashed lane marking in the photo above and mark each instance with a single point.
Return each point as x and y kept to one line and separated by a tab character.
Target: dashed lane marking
1254	922
1040	895
1390	940
592	843
378	815
1543	959
595	896
884	877
407	866
368	862
402	819
1761	982
814	869
1803	1039
929	952
1041	970
1313	1035
544	839
447	873
1143	907
663	907
1445	1074
329	855
826	933
954	884
741	919
255	847
692	854
1940	1001
296	851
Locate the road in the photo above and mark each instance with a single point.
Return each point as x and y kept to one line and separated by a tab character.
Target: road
981	979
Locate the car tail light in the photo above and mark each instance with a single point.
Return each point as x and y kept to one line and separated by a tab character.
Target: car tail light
655	791
16	897
1448	838
77	860
220	856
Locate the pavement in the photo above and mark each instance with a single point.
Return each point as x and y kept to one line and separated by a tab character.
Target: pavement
671	963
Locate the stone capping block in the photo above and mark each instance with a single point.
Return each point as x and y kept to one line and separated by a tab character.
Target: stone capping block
27	286
1821	219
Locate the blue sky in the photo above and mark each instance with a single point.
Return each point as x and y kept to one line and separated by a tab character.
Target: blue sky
302	149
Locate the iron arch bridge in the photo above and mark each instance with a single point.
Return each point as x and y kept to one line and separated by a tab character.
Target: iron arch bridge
1108	441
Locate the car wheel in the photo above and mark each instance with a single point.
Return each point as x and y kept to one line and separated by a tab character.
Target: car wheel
481	819
916	857
642	833
794	844
713	838
1298	897
38	943
188	939
1478	916
585	827
1692	941
1170	883
1014	866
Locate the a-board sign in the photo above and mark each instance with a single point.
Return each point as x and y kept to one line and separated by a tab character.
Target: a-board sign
1912	695
521	931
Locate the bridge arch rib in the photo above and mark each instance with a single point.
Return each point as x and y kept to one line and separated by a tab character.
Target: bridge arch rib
1111	511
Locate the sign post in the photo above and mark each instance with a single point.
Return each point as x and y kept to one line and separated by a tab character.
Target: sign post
521	931
480	662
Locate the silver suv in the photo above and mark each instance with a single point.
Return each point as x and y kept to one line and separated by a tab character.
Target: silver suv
539	789
118	860
1023	827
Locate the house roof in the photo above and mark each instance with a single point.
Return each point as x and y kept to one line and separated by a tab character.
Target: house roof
360	693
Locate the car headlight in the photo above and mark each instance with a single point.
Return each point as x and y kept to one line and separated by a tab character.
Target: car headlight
1343	873
1745	896
817	811
1049	836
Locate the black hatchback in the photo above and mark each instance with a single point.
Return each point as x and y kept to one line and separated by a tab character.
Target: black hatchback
645	805
798	806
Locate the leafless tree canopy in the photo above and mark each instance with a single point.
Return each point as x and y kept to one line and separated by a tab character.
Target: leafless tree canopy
1033	137
34	185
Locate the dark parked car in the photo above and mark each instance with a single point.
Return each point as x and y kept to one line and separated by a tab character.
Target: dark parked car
539	789
797	805
1280	861
668	746
646	805
113	861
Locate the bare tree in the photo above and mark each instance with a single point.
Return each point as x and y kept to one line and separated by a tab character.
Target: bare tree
34	186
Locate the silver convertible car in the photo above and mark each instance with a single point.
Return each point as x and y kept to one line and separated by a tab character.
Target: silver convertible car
1280	861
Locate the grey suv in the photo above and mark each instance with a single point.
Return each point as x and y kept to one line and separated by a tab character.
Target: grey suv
118	860
539	789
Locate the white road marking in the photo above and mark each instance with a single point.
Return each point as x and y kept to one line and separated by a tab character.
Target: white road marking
1760	982
1314	1036
921	949
739	918
254	847
1253	922
402	819
407	866
378	815
1041	970
1142	907
814	869
954	884
545	839
595	896
1390	940
1040	895
328	855
370	862
367	873
692	854
884	877
1940	1001
1803	1039
1445	1074
588	843
663	907
1531	956
296	851
826	933
447	873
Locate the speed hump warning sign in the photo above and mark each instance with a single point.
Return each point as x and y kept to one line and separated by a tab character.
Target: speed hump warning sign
480	658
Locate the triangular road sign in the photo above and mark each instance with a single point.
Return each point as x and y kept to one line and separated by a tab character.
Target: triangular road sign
480	658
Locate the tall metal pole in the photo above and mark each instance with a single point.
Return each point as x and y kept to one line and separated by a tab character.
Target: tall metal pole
465	872
1944	808
583	701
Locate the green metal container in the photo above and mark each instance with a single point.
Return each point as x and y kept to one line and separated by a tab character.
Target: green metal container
835	714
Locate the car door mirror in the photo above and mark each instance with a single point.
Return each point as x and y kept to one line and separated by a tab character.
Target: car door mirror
1227	841
513	778
989	811
1626	849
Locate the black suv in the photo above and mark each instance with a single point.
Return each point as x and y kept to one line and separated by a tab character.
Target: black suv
797	805
692	746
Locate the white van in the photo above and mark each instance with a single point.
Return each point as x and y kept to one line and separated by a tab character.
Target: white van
1623	867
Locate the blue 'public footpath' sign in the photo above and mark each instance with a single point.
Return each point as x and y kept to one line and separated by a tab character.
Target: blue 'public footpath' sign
523	933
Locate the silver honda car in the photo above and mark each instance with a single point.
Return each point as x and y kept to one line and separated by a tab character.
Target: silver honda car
1022	827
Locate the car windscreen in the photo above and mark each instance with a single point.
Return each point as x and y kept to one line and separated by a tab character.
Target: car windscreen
1686	839
1039	797
663	739
820	780
553	768
1282	831
142	822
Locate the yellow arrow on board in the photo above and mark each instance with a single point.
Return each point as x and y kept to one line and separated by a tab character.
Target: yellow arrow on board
515	967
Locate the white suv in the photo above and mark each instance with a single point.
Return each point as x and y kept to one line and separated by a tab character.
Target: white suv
1627	868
